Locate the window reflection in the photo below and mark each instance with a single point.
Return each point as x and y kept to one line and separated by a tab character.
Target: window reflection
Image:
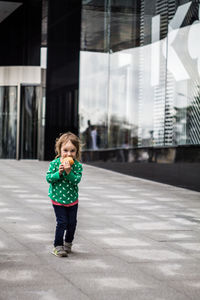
8	121
29	121
124	24
95	25
182	119
145	91
93	96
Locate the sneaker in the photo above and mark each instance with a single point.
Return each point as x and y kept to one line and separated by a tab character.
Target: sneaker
68	247
59	251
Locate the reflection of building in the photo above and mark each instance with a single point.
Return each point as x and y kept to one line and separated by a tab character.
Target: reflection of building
129	67
151	80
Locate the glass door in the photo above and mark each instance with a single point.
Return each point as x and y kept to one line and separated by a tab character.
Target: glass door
30	98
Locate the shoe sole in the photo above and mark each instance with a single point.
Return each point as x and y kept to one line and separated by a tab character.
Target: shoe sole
59	255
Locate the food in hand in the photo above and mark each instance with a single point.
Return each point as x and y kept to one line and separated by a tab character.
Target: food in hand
70	159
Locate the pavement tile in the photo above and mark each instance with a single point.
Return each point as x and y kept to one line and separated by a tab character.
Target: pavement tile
191	288
174	235
146	255
42	291
128	285
173	271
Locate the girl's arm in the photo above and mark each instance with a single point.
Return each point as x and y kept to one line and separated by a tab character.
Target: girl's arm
52	174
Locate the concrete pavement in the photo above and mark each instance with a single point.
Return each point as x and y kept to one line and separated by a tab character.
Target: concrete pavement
135	239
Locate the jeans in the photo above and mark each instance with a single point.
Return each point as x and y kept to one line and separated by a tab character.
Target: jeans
66	218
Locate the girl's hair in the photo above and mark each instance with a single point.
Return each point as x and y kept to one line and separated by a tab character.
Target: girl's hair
65	138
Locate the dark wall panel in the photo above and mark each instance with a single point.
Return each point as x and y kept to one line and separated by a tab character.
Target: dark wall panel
185	175
179	166
62	70
21	35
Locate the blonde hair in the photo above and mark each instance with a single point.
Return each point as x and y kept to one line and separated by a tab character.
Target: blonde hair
65	138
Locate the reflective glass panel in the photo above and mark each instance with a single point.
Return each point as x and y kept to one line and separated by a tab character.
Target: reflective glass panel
93	103
95	25
29	121
8	121
147	85
182	105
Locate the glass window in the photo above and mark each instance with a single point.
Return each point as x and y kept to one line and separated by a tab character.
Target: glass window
124	24
30	96
95	26
145	90
93	99
8	121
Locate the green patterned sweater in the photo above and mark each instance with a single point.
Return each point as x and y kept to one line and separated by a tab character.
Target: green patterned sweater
63	189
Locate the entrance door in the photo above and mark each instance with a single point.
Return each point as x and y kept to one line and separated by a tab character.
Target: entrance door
30	96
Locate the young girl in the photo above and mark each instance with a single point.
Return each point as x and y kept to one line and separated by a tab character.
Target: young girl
63	190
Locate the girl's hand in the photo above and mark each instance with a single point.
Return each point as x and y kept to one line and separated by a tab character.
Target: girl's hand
67	167
61	169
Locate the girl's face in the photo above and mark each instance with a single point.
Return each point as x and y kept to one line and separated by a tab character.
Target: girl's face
68	149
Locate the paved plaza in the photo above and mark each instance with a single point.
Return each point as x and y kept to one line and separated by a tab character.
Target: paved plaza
136	239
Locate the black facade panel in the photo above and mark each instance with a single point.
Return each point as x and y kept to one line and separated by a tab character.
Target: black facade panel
21	35
62	71
179	166
184	175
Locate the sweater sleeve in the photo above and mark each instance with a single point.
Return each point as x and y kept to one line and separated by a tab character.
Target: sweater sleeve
75	175
52	175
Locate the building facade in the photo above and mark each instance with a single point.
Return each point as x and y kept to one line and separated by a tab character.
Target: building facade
39	75
123	74
139	96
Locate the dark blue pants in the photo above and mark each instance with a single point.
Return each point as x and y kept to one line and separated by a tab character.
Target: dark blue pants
66	218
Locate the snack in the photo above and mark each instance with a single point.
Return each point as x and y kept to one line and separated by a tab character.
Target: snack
70	159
